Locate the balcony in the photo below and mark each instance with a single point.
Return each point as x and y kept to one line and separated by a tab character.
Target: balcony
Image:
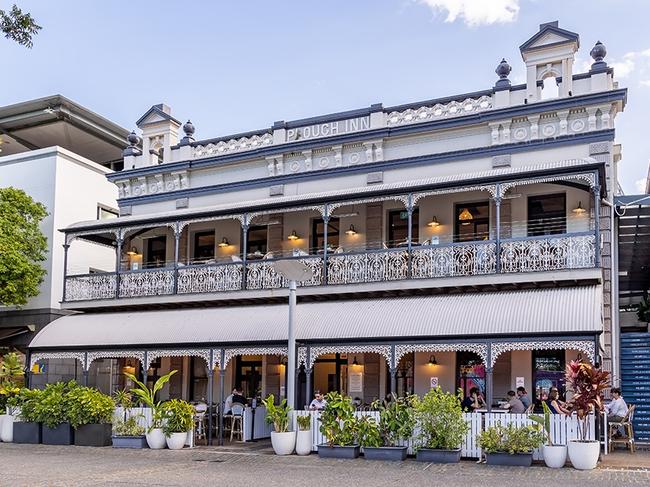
484	257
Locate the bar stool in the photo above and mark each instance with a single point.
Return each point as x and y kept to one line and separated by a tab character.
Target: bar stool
200	421
627	426
237	421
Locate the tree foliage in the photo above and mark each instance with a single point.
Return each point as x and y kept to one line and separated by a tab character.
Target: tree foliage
18	26
22	247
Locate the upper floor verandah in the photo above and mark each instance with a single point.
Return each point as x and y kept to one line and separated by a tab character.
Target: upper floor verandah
543	223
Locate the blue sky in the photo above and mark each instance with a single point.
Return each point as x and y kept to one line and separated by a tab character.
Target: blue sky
241	65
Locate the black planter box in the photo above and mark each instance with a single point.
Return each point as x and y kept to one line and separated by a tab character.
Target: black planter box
326	451
390	453
130	442
435	455
63	434
93	435
511	460
27	432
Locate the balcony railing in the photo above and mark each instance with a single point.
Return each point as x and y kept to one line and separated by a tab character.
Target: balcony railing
528	254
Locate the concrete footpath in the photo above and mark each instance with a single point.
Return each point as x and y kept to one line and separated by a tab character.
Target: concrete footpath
43	465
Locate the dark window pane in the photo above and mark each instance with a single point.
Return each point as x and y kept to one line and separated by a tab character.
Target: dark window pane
204	245
472	221
257	239
398	227
156	252
318	233
547	214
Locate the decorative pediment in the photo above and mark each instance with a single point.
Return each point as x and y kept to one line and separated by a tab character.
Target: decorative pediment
157	113
550	34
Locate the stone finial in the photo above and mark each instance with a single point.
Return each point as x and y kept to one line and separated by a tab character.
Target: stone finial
503	70
598	53
189	129
132	150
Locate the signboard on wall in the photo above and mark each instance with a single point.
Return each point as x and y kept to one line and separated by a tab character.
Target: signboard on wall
433	382
356	382
519	382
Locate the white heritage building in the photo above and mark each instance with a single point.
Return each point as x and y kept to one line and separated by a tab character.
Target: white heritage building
457	241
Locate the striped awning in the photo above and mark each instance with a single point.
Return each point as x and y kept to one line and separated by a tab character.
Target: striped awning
571	310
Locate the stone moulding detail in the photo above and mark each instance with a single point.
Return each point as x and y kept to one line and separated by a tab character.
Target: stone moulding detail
233	145
440	111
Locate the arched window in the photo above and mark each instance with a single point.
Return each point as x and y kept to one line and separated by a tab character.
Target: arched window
550	88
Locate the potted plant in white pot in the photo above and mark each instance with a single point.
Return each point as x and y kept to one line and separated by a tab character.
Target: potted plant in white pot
396	423
91	415
442	427
303	435
510	445
178	421
339	427
11	381
554	455
282	440
587	384
155	435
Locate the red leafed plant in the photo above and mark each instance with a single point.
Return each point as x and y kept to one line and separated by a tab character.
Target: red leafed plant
587	384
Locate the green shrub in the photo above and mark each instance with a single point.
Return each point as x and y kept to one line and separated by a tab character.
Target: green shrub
89	406
440	417
396	420
178	416
304	422
511	439
26	401
277	415
52	404
128	427
338	423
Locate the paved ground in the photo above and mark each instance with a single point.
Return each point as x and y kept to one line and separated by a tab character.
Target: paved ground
41	465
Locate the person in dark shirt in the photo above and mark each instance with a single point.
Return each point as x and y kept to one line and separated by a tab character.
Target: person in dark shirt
237	398
473	402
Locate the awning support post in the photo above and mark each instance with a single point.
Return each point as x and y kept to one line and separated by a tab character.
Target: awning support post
118	264
66	247
308	369
489	379
210	402
244	249
177	239
409	211
393	371
85	367
326	221
144	367
222	399
596	193
28	370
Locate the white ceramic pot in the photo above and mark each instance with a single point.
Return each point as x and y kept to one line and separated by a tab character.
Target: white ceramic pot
283	443
176	441
156	439
584	454
6	428
555	456
303	442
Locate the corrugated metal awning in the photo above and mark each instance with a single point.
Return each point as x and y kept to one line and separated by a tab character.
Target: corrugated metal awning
575	310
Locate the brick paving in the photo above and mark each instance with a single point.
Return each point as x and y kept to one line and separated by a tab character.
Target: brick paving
42	465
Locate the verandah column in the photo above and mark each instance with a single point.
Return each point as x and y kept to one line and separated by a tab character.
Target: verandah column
326	220
118	262
222	402
595	189
244	246
210	393
409	211
178	229
308	370
489	384
84	370
66	247
393	371
497	230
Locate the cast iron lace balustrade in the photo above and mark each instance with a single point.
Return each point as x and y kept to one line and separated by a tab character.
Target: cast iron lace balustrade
146	282
372	266
261	274
209	278
535	254
461	259
90	286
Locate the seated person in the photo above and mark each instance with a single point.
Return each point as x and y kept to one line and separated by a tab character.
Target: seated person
554	404
237	398
617	409
522	394
473	402
318	403
515	406
227	406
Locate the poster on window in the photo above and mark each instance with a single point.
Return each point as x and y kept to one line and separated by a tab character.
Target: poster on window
356	382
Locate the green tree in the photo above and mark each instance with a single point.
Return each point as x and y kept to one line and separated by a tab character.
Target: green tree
18	26
22	247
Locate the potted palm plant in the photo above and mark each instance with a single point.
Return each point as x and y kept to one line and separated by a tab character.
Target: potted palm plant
178	422
27	428
303	435
380	441
587	384
510	445
439	416
554	455
11	381
282	440
91	414
52	410
155	435
339	427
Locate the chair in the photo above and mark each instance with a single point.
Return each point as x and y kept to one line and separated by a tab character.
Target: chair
200	421
268	255
237	421
627	426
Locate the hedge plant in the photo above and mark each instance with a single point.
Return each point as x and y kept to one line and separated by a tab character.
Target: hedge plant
87	405
440	418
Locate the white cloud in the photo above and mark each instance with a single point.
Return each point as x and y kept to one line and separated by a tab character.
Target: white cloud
645	82
623	68
640	185
476	12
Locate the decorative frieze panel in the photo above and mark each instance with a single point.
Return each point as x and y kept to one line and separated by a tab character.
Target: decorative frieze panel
546	254
233	146
230	353
103	354
585	346
383	350
38	356
90	286
440	111
210	278
203	353
454	260
388	265
261	274
149	282
480	349
158	183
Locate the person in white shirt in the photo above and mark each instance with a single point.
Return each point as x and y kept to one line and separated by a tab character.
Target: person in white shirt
318	403
617	408
228	403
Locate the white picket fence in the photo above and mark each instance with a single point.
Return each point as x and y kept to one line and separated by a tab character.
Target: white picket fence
144	418
563	429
